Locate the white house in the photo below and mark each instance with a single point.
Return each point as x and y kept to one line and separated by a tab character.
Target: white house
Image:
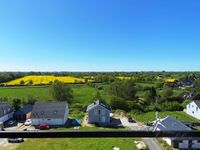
193	109
170	124
50	113
6	112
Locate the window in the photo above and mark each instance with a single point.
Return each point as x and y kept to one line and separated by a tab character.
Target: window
55	112
99	112
103	112
42	113
196	108
95	112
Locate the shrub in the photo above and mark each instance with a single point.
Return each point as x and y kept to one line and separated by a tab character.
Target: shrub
119	103
171	106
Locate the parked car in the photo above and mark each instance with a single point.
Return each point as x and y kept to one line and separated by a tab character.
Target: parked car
28	122
44	127
15	140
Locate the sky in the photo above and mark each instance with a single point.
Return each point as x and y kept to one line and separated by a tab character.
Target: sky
99	35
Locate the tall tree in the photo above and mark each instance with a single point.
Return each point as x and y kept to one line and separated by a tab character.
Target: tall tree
16	103
124	89
167	92
61	92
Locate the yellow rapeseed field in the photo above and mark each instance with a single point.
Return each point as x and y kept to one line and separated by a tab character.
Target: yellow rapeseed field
44	79
124	78
170	80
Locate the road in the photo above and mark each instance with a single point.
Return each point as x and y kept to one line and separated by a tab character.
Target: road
152	144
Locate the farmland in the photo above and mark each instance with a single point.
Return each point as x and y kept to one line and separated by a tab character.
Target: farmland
44	80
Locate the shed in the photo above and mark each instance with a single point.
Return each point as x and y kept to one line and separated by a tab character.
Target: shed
24	113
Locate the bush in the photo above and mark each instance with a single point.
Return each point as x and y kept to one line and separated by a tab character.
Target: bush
78	106
152	107
137	108
171	106
118	103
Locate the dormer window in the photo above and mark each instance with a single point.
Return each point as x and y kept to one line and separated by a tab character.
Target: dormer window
42	113
55	112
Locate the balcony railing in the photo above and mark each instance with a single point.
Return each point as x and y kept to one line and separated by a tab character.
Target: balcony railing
97	134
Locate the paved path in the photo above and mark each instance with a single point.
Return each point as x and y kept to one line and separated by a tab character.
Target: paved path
152	144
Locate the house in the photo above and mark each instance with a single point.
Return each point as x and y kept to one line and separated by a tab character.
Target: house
99	112
6	112
186	95
170	124
193	109
50	113
24	113
195	96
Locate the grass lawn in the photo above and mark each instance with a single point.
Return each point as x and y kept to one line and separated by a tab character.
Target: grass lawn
41	93
78	144
150	116
82	93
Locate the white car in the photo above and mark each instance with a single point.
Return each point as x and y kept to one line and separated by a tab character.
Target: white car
28	122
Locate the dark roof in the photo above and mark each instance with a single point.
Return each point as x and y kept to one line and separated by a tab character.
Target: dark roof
97	103
170	124
26	109
5	109
197	102
49	110
196	97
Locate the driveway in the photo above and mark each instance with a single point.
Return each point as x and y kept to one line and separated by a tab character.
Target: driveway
152	144
4	145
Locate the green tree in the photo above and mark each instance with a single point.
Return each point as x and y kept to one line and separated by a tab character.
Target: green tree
150	95
125	89
61	92
31	100
118	103
16	103
97	96
22	82
30	82
197	86
167	92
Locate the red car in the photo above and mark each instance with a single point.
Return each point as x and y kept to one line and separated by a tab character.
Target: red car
44	127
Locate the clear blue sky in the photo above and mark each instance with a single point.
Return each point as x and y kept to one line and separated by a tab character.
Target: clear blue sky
99	35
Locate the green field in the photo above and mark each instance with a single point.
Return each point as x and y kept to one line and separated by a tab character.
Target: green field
82	93
78	144
41	93
150	116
